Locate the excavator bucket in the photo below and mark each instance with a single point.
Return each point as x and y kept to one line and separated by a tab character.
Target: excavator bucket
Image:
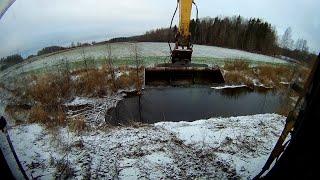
181	71
175	74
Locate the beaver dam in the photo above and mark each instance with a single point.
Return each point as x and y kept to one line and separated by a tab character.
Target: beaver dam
175	104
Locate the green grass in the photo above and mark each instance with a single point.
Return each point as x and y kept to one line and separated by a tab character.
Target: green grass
129	61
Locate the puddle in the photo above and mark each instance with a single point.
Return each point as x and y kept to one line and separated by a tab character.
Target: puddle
193	103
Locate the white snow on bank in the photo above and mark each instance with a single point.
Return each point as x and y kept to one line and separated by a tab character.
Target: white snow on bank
78	101
219	148
92	109
228	87
242	141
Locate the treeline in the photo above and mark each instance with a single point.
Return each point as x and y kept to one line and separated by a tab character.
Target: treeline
299	55
8	61
253	35
157	35
50	49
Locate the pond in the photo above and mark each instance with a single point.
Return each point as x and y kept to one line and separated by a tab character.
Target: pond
176	104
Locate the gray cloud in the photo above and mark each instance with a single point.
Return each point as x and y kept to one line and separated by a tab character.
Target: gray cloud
33	24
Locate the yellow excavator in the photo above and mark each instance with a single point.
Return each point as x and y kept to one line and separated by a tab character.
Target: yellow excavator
182	52
181	70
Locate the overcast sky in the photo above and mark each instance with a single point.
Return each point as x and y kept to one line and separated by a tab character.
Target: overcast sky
30	25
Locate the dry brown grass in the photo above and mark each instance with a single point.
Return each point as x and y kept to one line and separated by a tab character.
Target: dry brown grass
236	65
48	117
92	83
78	124
233	77
64	170
49	92
50	89
303	73
38	115
131	79
239	72
98	82
273	75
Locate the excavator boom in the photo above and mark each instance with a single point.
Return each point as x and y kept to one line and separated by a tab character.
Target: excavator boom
185	16
182	52
181	70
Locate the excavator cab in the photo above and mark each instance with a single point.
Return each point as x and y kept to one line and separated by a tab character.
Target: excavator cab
181	70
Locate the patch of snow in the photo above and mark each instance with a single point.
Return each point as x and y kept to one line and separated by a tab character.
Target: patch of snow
257	83
78	101
244	141
284	83
228	87
74	78
92	109
159	158
120	73
129	173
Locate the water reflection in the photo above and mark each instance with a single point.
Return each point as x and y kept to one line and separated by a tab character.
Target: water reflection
192	103
235	93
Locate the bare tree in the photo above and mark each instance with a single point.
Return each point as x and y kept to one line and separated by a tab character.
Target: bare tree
302	45
84	58
138	64
286	40
110	65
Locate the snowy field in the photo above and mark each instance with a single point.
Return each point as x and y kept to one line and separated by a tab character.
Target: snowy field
150	52
217	148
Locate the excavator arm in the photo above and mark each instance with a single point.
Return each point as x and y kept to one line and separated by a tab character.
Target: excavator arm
182	52
184	24
181	71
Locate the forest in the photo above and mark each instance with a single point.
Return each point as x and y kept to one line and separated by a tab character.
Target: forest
10	61
253	35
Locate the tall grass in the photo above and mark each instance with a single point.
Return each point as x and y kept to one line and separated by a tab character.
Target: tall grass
49	92
239	72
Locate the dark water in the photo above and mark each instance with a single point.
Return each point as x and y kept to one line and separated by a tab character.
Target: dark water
193	103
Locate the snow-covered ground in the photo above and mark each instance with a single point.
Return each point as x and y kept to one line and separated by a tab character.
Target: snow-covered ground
221	148
123	50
